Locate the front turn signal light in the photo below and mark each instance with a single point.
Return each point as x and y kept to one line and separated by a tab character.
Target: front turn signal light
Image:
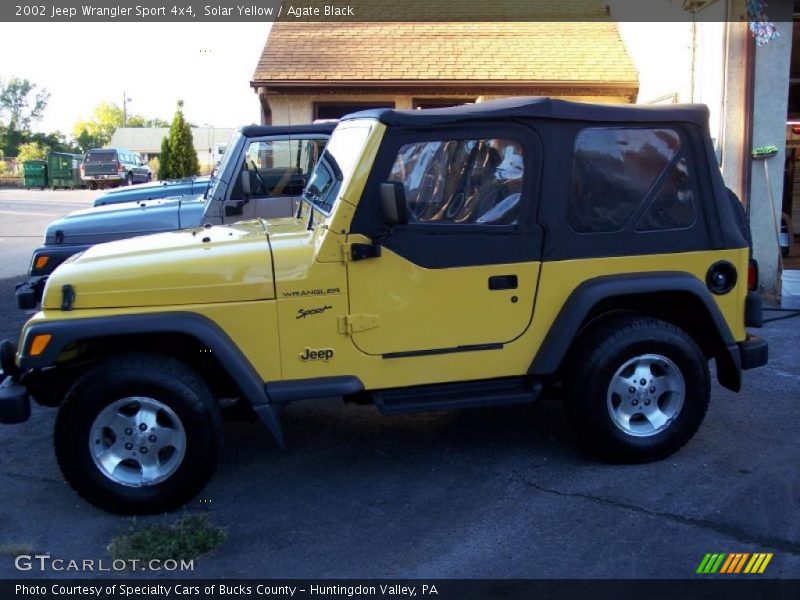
39	343
42	261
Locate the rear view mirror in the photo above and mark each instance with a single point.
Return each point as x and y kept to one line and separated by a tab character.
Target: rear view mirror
393	203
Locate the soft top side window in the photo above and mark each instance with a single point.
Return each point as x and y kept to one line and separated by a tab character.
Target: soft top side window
471	181
614	172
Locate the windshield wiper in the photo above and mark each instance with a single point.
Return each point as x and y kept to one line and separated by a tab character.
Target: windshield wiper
312	199
310	218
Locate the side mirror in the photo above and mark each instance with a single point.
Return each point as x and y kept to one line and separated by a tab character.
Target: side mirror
245	178
393	203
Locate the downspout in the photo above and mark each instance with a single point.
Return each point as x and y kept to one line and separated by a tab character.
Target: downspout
723	121
749	90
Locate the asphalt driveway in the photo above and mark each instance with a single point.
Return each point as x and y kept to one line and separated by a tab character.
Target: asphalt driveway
489	493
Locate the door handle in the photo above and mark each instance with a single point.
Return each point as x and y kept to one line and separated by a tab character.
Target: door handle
503	282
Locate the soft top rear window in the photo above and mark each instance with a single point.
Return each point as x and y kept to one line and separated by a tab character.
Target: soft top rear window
101	156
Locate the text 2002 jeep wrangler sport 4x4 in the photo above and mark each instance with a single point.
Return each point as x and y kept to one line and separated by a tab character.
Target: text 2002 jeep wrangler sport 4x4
444	258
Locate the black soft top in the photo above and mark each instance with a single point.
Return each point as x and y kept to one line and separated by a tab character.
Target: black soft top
538	107
262	130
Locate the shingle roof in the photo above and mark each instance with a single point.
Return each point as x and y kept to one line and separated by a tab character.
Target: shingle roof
579	52
148	139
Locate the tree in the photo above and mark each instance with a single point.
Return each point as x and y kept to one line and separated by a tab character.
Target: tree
182	155
105	120
32	151
140	121
21	104
86	141
163	160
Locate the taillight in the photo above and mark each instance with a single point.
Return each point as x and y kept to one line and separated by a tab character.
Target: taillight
752	275
83	169
120	168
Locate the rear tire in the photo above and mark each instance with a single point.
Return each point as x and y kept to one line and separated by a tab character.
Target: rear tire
138	434
637	389
129	179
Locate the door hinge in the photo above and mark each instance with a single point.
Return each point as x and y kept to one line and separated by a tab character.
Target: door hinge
351	324
358	251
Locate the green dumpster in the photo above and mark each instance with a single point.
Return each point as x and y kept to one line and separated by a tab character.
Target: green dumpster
34	174
63	170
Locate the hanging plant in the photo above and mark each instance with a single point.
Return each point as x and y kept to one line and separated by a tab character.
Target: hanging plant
763	30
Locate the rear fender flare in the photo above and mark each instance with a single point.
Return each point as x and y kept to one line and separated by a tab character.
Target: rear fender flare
567	326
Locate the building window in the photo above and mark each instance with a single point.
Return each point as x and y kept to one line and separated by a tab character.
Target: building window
613	174
336	110
439	102
461	181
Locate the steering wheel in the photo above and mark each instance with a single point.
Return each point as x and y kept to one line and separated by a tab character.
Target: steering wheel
254	170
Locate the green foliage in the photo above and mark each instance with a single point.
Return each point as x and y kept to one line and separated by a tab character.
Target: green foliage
155	166
191	537
105	120
11	141
163	160
32	151
86	141
21	104
139	121
14	549
182	160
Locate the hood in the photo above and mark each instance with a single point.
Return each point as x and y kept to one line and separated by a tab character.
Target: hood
199	266
117	221
159	189
295	250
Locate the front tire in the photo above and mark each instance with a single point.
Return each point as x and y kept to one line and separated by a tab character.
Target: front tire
637	389
138	434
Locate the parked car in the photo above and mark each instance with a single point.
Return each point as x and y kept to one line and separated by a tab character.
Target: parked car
277	159
102	167
444	258
188	186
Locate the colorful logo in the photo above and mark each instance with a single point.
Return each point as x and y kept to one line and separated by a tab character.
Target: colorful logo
734	563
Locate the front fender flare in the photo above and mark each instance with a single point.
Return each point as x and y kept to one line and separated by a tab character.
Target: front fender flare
241	371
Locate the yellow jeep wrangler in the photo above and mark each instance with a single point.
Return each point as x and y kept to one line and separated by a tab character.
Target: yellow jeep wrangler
441	259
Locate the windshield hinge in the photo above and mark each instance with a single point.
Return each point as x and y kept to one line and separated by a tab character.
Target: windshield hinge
358	251
351	324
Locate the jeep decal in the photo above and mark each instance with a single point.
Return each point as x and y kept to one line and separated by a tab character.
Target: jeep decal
324	354
302	313
317	292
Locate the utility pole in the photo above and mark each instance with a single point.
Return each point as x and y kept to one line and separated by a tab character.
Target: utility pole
125	101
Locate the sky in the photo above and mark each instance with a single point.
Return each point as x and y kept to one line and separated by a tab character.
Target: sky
207	65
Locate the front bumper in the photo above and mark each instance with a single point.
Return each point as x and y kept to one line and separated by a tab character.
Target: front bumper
29	293
15	402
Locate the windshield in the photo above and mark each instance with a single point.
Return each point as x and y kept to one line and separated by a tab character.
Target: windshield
220	170
335	168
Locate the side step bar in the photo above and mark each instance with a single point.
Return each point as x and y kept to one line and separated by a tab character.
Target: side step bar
449	396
